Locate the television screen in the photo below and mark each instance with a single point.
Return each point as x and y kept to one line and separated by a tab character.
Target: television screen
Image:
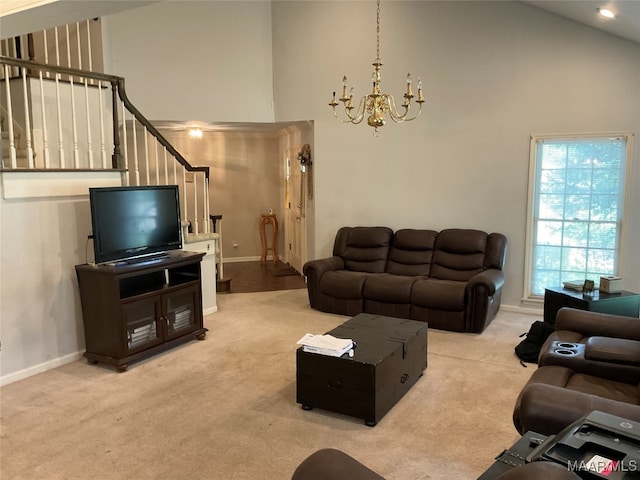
131	222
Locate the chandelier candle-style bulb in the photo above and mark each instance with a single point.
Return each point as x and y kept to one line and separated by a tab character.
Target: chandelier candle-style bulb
344	89
409	92
376	105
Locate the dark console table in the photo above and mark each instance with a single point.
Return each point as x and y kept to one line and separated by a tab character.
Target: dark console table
622	303
132	311
390	356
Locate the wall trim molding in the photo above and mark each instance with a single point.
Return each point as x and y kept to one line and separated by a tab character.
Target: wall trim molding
42	367
43	184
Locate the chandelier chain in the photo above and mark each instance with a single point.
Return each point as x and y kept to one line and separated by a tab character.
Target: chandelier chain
378	33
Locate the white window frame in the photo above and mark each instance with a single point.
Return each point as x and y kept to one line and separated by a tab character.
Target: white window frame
530	227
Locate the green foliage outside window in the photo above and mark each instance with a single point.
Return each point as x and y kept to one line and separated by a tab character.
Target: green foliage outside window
577	209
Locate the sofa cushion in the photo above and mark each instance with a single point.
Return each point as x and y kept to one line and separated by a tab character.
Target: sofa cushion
364	249
411	252
343	284
389	288
459	254
439	294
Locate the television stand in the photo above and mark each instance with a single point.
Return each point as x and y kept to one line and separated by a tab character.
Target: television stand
133	311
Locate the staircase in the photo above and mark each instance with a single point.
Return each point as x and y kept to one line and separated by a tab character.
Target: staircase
58	114
58	119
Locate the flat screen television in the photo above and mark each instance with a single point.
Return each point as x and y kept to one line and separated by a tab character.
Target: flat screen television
131	223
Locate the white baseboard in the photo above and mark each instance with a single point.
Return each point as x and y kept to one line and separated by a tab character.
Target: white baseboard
43	367
209	310
520	309
248	259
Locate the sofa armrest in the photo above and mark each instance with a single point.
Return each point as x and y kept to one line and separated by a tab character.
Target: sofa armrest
490	280
594	324
616	350
313	271
333	464
318	267
547	409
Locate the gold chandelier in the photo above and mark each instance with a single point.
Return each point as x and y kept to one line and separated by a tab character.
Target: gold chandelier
377	104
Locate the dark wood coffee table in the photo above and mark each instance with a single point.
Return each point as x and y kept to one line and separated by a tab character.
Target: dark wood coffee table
621	303
390	356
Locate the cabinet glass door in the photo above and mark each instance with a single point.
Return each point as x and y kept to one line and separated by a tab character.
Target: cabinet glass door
141	326
181	312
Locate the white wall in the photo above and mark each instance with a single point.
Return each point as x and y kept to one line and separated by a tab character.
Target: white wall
195	60
494	73
40	318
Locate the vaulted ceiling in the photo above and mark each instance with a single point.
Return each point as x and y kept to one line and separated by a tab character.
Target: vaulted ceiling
24	16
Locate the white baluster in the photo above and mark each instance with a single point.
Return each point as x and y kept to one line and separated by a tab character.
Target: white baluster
89	56
86	106
74	126
12	144
205	207
27	118
175	170
103	150
79	47
196	228
135	151
146	155
60	139
184	191
166	167
57	41
46	49
45	134
125	146
66	27
157	162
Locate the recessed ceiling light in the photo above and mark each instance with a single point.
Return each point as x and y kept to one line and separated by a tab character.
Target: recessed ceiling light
605	12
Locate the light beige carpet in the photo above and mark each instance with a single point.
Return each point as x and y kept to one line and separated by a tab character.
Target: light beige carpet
225	408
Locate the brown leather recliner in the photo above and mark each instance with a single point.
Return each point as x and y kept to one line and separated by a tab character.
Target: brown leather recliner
332	464
451	279
591	362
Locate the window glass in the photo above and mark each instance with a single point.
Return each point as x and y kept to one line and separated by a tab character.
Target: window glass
577	209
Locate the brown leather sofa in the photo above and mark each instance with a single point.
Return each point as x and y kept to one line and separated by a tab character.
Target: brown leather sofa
332	464
451	279
590	362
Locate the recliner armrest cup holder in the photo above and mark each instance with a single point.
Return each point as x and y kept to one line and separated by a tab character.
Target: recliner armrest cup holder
566	349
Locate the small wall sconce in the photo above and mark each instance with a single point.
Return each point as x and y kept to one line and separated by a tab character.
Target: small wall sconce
195	133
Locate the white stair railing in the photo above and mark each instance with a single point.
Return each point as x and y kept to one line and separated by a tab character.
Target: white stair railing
92	105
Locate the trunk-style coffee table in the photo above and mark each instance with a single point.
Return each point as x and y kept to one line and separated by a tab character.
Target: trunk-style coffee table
389	357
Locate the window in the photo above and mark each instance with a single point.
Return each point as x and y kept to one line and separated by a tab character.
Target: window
575	209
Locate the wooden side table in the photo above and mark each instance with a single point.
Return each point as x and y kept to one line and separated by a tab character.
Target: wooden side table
269	219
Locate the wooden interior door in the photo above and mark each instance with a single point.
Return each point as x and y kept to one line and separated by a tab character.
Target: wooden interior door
295	225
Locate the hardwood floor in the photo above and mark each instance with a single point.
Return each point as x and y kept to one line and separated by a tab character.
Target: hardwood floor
258	277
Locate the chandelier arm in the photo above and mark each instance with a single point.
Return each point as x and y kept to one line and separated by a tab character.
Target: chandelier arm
393	110
400	118
356	119
416	115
